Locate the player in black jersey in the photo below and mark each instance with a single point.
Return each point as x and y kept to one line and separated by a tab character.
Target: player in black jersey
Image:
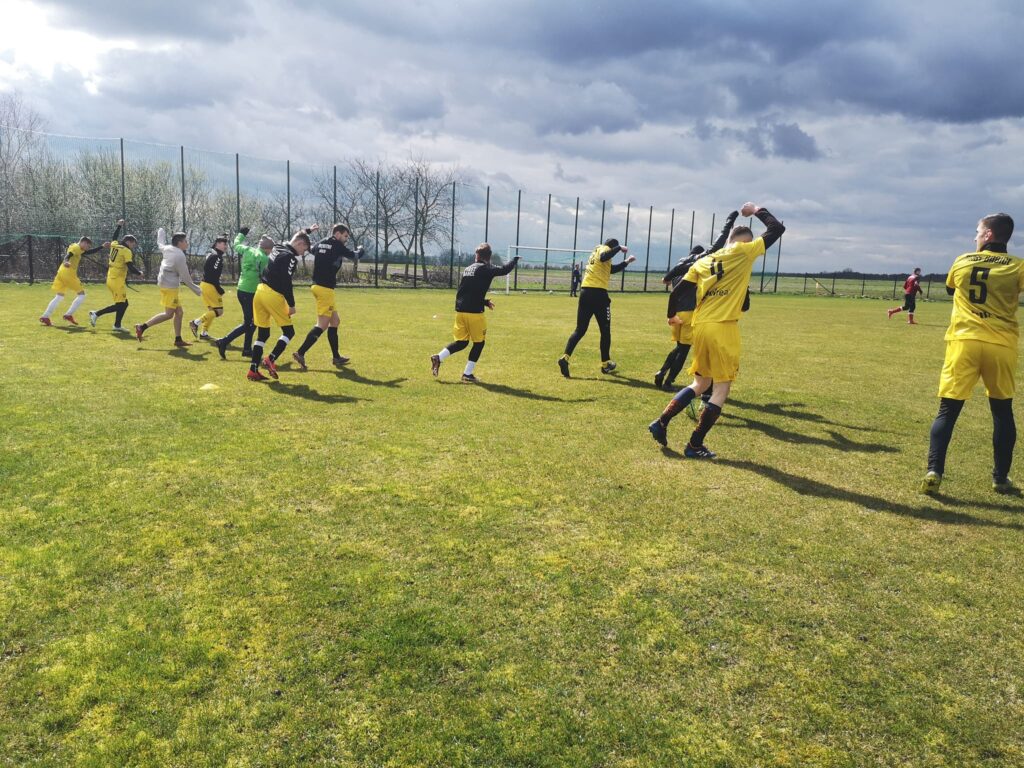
470	301
211	289
327	258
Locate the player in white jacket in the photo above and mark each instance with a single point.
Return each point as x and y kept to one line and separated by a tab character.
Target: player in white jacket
173	272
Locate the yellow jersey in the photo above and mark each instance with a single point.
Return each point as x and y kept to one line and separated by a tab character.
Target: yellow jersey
986	292
722	280
598	272
117	263
73	257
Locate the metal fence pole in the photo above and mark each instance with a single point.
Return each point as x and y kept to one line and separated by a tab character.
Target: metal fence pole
519	210
547	242
184	223
778	260
575	231
833	284
601	238
625	242
451	252
31	266
671	237
928	290
647	264
376	230
862	281
415	228
288	201
712	238
124	197
805	284
238	194
487	214
693	223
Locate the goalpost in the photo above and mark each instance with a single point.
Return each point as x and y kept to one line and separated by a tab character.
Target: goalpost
545	260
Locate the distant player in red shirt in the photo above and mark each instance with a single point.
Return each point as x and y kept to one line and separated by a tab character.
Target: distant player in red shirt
911	287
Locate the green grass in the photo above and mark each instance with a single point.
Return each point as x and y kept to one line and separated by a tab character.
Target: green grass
374	568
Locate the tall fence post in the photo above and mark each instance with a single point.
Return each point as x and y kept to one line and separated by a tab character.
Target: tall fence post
575	232
601	238
31	266
376	230
647	264
451	252
519	210
693	223
862	283
184	223
288	198
805	284
487	214
124	197
238	194
625	242
547	242
928	290
712	238
671	236
415	229
833	284
778	261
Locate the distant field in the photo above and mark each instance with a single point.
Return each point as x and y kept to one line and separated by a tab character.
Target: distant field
373	568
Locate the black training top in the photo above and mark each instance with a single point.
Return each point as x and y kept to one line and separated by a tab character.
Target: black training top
212	268
327	256
280	268
475	282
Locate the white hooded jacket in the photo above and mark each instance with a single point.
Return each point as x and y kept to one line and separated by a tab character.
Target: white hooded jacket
173	266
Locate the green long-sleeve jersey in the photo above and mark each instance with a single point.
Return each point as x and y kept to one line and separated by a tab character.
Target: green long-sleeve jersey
254	261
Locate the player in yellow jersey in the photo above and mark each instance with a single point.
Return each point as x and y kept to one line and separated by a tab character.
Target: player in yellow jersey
981	343
722	280
595	303
119	264
66	280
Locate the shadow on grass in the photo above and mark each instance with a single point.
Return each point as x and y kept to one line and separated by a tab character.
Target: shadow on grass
836	440
305	392
789	411
625	381
526	394
185	353
350	374
69	328
807	487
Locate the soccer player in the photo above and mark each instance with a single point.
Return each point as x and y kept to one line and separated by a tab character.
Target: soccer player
275	300
327	258
722	280
681	304
981	342
575	280
911	289
173	272
254	261
66	280
470	301
595	303
119	264
211	289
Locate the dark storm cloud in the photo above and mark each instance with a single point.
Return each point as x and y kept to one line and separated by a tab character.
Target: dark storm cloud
765	139
152	19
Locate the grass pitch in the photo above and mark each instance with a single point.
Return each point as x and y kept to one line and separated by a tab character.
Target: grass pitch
375	568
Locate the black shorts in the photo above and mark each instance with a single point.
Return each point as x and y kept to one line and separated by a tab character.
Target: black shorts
910	302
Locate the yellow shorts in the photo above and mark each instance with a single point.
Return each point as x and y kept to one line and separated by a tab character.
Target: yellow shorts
967	361
169	298
324	300
682	333
210	296
716	350
66	281
118	290
269	305
470	326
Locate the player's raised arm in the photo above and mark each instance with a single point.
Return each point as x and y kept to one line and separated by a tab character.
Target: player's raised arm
723	236
775	228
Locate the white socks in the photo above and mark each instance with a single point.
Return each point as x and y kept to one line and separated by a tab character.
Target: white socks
54	304
444	354
470	367
76	303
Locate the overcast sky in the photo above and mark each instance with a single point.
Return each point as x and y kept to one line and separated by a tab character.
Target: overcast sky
878	131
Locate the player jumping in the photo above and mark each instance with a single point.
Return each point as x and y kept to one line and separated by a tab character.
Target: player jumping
66	280
911	290
119	264
470	301
722	280
981	342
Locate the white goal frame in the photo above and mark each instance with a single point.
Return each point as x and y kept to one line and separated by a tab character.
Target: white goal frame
542	249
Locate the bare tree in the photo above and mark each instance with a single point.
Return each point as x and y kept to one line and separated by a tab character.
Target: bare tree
20	141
